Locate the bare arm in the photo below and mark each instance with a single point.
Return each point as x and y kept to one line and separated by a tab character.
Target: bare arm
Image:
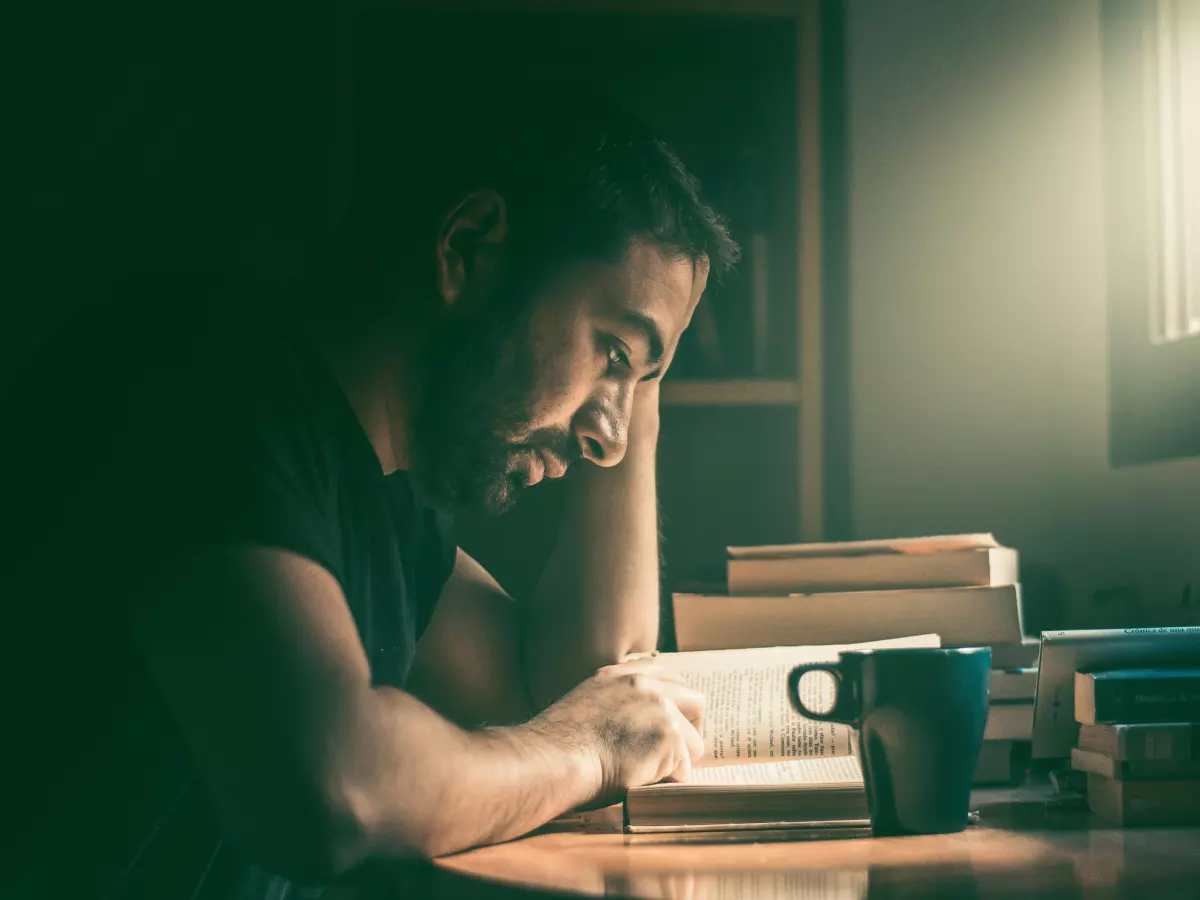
468	663
598	599
314	770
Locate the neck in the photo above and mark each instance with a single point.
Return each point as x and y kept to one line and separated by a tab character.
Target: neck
379	368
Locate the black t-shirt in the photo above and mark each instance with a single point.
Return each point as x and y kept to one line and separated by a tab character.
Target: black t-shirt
188	412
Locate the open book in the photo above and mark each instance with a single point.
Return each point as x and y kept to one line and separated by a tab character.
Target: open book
765	765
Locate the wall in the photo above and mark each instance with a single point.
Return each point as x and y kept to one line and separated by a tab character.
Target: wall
152	134
978	374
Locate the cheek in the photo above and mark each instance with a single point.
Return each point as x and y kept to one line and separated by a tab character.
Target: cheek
567	371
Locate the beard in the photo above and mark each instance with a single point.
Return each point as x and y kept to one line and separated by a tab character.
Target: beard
473	438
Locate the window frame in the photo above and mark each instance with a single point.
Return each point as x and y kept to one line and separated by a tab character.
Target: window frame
1154	386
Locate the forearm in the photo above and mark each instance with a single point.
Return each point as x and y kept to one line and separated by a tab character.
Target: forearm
429	787
598	599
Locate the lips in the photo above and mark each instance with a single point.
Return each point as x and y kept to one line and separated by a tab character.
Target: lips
552	465
537	469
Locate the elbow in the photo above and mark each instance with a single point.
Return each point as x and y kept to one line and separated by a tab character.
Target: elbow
435	841
310	834
323	834
343	837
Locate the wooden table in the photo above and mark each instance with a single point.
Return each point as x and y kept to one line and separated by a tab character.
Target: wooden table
1022	847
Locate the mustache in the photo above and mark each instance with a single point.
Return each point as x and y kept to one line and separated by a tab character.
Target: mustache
557	441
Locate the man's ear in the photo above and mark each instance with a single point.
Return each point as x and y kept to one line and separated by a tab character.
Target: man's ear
470	232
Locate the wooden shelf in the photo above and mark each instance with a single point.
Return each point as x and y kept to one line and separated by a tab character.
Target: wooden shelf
731	392
774	9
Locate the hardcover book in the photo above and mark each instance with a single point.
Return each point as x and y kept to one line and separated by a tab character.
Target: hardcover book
962	617
1152	741
1133	770
1137	695
1066	652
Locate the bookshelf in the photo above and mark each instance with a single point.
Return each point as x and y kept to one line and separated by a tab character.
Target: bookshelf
730	392
735	87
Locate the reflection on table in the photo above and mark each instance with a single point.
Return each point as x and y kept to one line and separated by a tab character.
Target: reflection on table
1022	847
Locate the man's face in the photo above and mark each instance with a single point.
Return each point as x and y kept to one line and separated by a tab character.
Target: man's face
521	389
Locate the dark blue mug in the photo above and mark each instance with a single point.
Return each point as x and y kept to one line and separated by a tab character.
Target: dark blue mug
920	715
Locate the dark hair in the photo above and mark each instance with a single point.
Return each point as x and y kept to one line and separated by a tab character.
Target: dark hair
580	177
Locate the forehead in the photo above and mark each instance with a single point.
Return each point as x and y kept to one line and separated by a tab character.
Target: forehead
649	282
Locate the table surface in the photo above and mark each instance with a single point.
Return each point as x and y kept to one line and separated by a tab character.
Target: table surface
1022	847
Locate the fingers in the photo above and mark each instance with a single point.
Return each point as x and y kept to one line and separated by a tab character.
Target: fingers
689	751
688	702
693	740
656	704
682	772
689	748
642	666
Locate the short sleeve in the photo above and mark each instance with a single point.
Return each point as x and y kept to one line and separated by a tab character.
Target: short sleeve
439	551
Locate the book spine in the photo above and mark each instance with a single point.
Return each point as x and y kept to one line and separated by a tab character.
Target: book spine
1156	769
1150	699
1144	802
1134	770
1148	742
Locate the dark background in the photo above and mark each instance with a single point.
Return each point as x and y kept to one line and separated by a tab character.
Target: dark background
974	285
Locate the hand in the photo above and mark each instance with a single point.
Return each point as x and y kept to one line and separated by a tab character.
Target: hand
635	723
644	421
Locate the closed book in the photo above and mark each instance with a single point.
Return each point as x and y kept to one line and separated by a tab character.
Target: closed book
1137	695
1009	722
1133	770
963	617
1018	685
1159	740
881	571
1144	802
945	543
1066	652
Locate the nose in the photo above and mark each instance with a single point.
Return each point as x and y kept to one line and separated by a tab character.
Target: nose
603	429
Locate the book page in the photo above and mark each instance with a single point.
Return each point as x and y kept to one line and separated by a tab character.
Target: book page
833	770
748	717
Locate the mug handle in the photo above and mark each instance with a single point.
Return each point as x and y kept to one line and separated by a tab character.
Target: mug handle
845	703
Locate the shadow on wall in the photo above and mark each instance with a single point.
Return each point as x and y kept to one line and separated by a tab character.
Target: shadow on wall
1043	599
1121	606
1045	605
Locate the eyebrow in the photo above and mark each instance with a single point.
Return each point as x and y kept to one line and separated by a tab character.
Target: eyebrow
649	330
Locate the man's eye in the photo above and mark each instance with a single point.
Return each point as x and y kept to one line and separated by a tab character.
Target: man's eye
617	357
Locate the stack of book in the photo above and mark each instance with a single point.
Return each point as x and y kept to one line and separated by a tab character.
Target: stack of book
963	588
1008	735
1139	743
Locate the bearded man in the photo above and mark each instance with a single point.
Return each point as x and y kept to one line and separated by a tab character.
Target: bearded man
243	652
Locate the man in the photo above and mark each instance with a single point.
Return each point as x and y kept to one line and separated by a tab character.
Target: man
241	646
